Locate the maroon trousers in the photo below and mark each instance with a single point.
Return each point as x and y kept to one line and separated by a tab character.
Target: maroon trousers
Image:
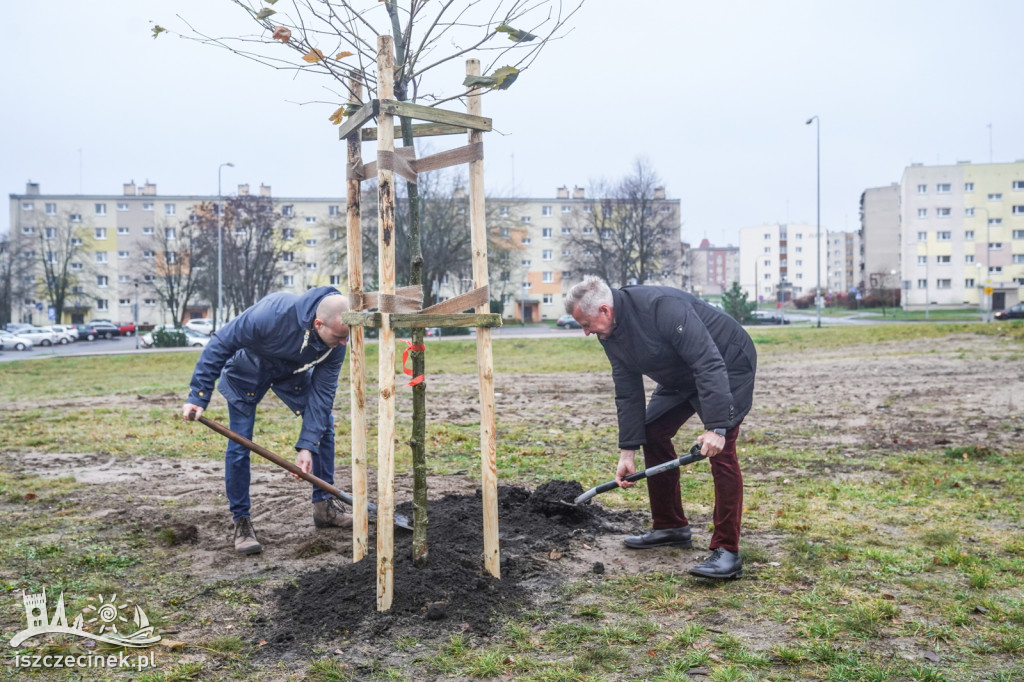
663	488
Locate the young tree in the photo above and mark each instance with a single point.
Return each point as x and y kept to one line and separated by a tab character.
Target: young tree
624	238
734	302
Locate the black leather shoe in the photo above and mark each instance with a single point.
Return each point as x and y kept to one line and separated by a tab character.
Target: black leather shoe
722	564
679	537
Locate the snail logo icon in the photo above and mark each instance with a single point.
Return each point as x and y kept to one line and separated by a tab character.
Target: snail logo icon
108	620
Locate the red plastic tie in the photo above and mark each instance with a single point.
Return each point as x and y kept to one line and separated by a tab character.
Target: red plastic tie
410	346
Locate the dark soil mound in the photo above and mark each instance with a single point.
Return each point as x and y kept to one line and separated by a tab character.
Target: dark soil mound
453	591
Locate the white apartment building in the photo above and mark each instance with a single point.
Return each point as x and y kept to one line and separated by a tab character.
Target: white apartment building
880	238
962	235
779	262
844	269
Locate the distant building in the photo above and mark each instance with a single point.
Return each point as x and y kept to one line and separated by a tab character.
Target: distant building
962	235
713	269
880	238
779	262
844	258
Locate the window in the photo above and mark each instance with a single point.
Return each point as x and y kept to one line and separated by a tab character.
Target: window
75	217
102	281
333	258
503	211
549	299
149	302
922	284
943	212
311	266
547	254
995	221
123	230
969	211
287	234
101	232
566	253
545	210
1018	210
922	213
1018	234
969	258
547	233
102	304
170	233
922	189
288	280
525	219
767	263
310	242
334	233
123	254
170	257
101	256
606	211
943	284
943	236
767	235
310	219
525	261
799	263
149	255
122	206
566	230
28	206
588	208
943	188
799	235
566	208
527	240
101	209
335	280
995	270
922	236
334	210
149	279
969	235
968	186
78	289
287	256
548	277
147	206
1018	258
504	232
995	246
51	208
666	209
77	267
799	275
969	283
1018	184
288	211
51	257
995	196
124	302
124	279
50	232
588	230
28	230
921	260
767	249
942	259
169	209
76	241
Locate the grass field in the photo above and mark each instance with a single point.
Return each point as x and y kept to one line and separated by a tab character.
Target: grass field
903	567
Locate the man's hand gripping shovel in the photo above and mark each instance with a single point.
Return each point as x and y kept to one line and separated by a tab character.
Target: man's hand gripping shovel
689	458
400	520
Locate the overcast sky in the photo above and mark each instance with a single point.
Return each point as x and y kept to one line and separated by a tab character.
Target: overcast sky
714	95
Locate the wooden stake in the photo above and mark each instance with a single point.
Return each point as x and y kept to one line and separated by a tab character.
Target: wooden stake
484	359
386	345
356	344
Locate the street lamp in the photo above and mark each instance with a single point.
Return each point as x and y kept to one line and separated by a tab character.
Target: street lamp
892	282
220	249
986	300
135	321
818	258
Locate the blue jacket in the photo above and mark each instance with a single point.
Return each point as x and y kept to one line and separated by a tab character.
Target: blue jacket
697	354
273	345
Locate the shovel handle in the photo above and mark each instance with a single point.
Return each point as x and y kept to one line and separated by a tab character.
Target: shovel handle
689	458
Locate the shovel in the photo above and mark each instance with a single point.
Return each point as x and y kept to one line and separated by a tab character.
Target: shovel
689	458
400	519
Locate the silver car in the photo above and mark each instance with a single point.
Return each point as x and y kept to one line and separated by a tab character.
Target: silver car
9	341
41	336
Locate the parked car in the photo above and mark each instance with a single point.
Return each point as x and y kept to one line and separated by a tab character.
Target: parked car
200	324
9	341
69	329
567	322
765	317
41	336
126	328
1014	312
97	330
13	327
195	338
64	337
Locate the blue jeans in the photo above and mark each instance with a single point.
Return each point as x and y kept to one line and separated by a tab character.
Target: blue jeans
236	462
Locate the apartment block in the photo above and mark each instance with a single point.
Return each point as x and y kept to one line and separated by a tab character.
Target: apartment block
844	259
779	262
713	269
962	235
118	238
880	238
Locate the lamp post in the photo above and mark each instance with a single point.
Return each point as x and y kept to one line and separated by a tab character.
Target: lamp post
220	248
135	315
986	299
817	298
892	283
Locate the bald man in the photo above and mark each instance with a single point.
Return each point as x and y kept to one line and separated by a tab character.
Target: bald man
293	345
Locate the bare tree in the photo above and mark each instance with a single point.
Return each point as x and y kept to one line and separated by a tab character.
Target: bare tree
180	259
60	246
257	242
623	236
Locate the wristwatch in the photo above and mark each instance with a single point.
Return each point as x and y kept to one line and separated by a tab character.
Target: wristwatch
720	432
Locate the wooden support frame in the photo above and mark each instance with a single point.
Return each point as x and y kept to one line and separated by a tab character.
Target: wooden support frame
388	301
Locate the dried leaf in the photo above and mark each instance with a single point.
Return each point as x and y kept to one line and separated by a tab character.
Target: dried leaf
158	29
555	555
264	13
30	496
886	595
336	117
479	81
505	76
263	642
313	56
283	34
172	644
342	55
514	34
932	656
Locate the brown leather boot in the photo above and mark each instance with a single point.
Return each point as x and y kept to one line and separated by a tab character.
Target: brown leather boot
245	537
329	514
